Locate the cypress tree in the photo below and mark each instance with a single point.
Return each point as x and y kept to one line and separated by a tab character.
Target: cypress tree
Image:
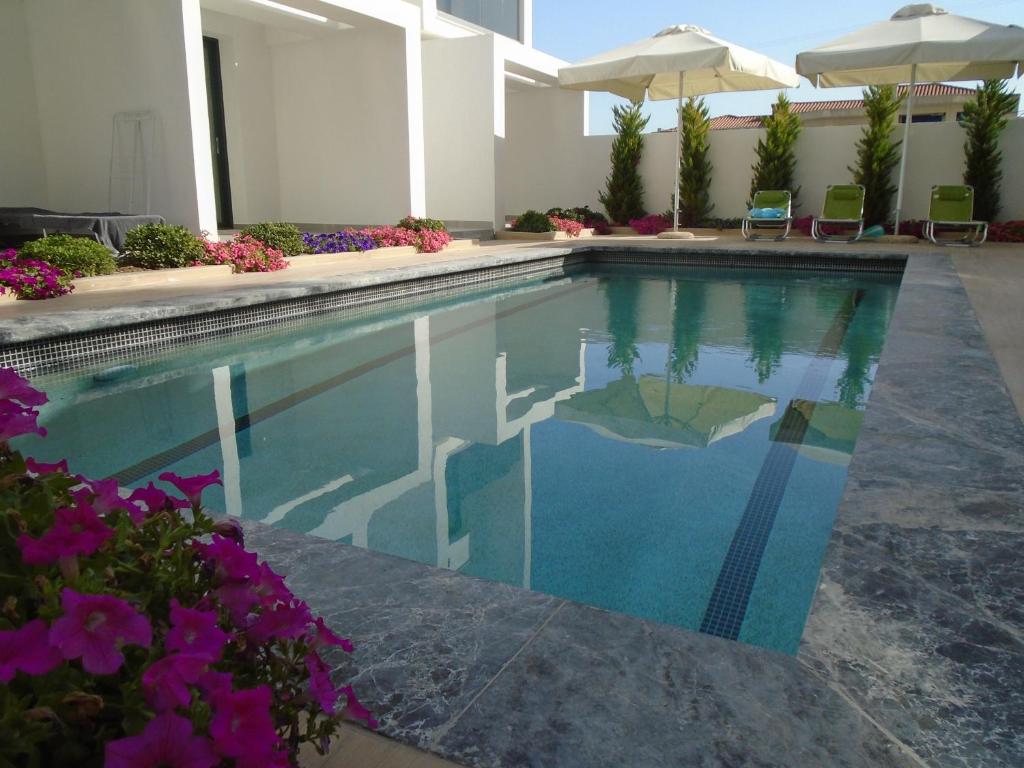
877	153
985	117
776	157
623	197
695	204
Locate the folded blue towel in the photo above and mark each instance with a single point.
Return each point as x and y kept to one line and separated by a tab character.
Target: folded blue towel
767	213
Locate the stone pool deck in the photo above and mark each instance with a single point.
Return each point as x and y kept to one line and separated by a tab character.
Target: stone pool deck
913	653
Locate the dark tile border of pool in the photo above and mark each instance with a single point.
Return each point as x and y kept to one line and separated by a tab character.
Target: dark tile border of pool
913	653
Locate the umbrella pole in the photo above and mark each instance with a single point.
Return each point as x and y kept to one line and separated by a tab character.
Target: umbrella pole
906	143
679	158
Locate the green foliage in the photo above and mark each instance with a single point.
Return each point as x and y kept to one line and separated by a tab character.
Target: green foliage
282	237
695	203
877	153
162	246
419	225
776	158
623	197
533	221
71	254
985	117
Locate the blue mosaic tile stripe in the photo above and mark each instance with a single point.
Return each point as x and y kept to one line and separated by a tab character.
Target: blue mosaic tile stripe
730	597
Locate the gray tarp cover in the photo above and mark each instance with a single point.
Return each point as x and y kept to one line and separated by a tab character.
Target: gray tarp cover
108	228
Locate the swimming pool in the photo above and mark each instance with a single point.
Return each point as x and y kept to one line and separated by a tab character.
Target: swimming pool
670	443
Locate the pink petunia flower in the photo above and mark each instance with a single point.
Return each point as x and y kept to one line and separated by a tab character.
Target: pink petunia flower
167	741
95	627
192	487
230	528
15	421
241	726
232	561
105	497
285	621
320	685
213	683
76	531
323	636
166	681
14	387
156	500
355	710
37	468
195	632
27	649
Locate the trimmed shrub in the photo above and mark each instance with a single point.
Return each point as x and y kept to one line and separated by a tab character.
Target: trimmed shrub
985	117
420	225
776	158
162	246
695	164
77	256
533	221
877	154
278	235
623	196
244	254
31	278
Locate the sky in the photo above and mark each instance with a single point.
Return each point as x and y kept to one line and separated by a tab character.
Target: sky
575	29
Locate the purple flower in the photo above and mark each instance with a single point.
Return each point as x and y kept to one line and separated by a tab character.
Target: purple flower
323	636
241	726
320	685
192	487
195	632
167	741
76	531
94	627
39	468
27	649
15	387
166	681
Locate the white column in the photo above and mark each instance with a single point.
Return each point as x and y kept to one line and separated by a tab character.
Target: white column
228	441
199	119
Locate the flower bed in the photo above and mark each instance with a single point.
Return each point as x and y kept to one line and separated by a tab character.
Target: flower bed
138	631
571	227
651	225
346	241
244	254
31	278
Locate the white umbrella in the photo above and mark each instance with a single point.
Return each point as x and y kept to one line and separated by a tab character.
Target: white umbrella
920	43
679	61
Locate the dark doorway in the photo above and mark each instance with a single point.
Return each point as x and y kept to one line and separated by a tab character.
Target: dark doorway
218	133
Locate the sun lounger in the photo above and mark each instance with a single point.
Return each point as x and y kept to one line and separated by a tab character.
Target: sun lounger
771	212
952	209
844	207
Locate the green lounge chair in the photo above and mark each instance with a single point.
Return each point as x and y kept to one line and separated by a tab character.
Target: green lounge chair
844	207
952	208
775	199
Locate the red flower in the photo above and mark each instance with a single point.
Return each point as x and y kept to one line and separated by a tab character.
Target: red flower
166	742
192	487
166	681
27	649
94	627
242	727
195	632
76	531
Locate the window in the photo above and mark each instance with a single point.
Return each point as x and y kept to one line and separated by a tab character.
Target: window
935	117
501	16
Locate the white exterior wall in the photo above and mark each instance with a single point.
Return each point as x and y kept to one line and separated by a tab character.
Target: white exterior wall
91	60
345	149
22	173
553	167
459	126
249	108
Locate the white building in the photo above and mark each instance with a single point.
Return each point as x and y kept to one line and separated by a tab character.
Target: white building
220	113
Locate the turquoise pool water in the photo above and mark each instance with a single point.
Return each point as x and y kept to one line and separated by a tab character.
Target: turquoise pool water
668	443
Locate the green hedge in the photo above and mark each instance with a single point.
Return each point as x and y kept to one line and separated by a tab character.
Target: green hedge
533	221
162	246
71	254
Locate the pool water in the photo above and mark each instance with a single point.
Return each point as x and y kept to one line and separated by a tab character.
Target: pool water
668	443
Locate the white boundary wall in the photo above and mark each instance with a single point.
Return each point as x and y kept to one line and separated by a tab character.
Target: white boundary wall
550	162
